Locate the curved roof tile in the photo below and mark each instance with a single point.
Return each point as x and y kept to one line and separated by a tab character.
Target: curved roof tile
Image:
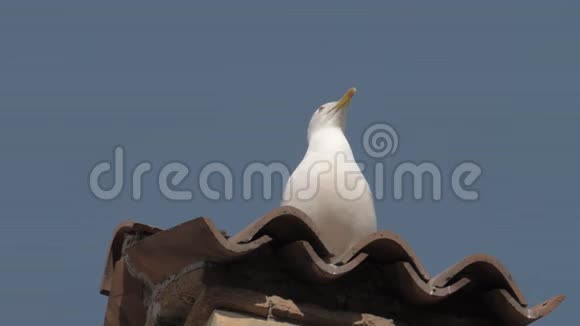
295	237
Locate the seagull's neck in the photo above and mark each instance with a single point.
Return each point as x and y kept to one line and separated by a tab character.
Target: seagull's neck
328	140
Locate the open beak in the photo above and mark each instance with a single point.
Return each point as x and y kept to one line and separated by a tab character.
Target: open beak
345	100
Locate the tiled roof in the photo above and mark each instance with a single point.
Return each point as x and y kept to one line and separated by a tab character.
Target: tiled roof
158	255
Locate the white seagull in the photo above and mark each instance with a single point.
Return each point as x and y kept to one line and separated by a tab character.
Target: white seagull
328	184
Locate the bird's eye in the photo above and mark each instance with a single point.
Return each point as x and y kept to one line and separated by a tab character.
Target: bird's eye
320	108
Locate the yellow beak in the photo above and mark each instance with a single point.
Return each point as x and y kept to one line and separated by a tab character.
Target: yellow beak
345	100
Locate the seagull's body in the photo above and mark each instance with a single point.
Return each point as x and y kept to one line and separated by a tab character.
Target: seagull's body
328	185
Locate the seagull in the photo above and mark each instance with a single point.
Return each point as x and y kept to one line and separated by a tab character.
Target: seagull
328	184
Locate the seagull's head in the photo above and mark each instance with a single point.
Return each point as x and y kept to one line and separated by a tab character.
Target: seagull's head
332	114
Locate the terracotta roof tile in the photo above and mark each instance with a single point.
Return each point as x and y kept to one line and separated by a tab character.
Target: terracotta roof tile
116	246
292	234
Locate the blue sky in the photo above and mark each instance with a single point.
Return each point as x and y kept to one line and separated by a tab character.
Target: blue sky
495	83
